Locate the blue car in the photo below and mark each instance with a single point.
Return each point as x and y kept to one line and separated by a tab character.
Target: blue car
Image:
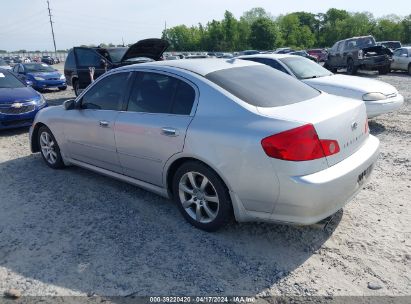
40	76
19	103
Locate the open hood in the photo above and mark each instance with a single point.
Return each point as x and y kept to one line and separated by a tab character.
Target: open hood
150	48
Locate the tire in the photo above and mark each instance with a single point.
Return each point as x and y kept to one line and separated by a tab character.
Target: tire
62	88
332	70
383	71
49	149
351	68
409	69
76	87
201	196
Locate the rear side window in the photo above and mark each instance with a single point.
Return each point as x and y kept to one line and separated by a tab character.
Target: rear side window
262	86
159	93
70	63
107	94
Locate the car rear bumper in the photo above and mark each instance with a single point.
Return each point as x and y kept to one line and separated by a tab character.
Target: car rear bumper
374	62
385	106
310	198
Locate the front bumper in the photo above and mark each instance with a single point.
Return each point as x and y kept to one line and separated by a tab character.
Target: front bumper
375	108
45	84
10	121
310	198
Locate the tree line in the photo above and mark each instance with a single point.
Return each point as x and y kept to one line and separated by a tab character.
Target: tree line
258	29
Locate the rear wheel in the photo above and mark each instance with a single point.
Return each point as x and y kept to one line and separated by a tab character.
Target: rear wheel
49	148
351	68
201	196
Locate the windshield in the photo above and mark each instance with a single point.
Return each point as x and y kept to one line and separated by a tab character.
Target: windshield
38	67
304	68
3	63
262	86
7	80
116	54
392	45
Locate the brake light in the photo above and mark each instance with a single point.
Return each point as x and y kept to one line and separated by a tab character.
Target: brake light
299	144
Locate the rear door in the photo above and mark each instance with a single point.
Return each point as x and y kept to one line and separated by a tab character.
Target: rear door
86	59
153	128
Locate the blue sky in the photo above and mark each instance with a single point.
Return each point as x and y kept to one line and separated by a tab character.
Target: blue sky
25	23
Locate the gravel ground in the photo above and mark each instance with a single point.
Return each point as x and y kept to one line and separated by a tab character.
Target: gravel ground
73	232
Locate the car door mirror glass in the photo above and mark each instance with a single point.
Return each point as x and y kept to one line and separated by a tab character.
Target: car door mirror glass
69	104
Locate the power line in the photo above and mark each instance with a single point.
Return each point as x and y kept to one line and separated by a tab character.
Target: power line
52	30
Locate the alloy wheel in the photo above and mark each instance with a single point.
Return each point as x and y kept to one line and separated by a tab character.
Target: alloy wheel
198	197
47	146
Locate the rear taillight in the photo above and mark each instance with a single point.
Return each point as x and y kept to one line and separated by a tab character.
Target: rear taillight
299	144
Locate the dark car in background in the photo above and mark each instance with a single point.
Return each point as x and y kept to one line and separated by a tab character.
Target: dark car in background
359	53
392	45
40	76
47	60
81	60
19	103
304	54
320	54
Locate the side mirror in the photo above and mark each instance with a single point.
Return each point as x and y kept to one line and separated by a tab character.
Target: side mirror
69	104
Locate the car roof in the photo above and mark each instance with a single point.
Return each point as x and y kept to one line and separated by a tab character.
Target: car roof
198	66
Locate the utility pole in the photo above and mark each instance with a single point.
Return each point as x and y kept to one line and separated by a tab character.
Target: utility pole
52	30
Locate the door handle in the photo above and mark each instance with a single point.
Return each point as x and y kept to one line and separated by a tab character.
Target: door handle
103	123
169	131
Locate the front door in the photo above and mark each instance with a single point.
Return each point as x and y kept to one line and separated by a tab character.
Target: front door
89	130
86	59
153	127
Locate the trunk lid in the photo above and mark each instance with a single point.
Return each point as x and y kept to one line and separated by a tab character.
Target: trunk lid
333	117
152	48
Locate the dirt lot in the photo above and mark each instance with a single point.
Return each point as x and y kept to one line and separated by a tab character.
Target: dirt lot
73	232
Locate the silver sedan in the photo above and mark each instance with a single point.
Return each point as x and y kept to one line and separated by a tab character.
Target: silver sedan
223	138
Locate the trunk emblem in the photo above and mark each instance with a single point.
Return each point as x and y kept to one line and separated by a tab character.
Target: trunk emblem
354	126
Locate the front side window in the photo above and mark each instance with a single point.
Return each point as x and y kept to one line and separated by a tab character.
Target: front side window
262	86
159	93
397	53
270	62
107	93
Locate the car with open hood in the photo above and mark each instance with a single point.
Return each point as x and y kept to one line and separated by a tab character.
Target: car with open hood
379	97
84	64
359	53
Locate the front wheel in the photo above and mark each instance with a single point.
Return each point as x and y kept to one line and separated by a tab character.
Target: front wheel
49	148
63	88
76	87
384	70
351	68
201	196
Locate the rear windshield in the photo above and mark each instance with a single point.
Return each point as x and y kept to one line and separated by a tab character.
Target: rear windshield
262	86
